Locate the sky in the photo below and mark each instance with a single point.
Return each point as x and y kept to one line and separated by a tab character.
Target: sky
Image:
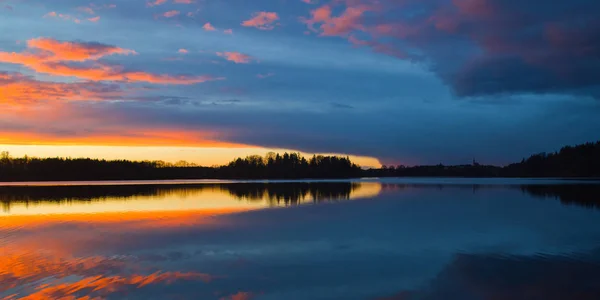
388	81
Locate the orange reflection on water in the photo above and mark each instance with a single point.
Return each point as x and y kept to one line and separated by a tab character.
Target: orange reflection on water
32	271
97	287
210	198
126	220
54	234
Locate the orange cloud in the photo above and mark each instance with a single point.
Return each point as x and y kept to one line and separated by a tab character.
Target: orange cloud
238	58
53	50
262	20
117	137
16	88
53	57
208	27
183	51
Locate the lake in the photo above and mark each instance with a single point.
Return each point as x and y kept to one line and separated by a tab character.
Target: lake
394	239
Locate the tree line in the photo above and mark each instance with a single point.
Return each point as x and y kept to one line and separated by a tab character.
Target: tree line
571	161
271	166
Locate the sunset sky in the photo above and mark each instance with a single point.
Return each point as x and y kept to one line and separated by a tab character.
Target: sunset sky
387	81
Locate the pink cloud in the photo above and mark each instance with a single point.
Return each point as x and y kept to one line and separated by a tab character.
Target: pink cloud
208	27
184	1
87	10
474	7
65	17
94	19
239	296
262	20
238	58
156	3
183	51
171	13
349	20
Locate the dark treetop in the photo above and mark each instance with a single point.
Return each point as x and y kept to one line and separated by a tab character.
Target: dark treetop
578	161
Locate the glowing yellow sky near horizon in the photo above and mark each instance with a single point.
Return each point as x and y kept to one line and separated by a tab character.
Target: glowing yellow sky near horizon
205	156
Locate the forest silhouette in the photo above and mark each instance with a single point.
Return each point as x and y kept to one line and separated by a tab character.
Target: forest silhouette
571	161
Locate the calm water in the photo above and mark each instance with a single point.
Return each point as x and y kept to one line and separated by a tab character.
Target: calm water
487	239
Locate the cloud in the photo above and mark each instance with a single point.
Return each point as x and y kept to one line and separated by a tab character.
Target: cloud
65	17
238	58
53	50
239	296
94	19
156	3
20	89
88	134
54	57
262	20
87	10
184	1
478	47
183	51
171	14
342	25
228	31
208	27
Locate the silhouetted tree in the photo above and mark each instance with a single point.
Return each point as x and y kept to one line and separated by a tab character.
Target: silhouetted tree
571	161
286	166
578	161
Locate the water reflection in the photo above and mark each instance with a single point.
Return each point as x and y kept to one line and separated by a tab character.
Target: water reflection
218	241
582	194
19	200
